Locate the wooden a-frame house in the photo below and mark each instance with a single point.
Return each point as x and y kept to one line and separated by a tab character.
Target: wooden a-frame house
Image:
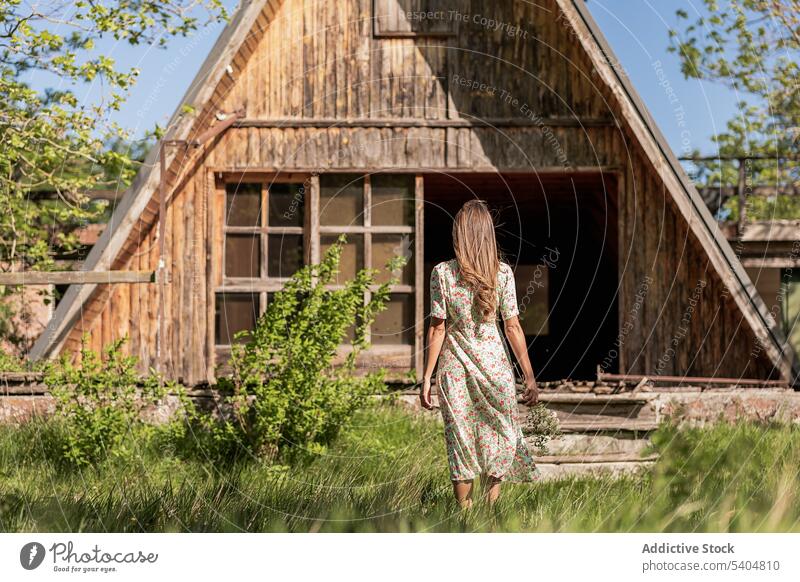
379	118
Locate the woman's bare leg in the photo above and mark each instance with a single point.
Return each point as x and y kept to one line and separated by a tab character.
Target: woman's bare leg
463	492
491	488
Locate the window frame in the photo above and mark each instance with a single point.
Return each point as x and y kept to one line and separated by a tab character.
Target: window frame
367	230
381	29
263	284
312	232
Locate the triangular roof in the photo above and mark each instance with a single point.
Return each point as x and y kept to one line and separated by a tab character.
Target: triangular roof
634	112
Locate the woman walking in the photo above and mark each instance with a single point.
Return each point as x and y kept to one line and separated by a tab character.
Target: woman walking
475	379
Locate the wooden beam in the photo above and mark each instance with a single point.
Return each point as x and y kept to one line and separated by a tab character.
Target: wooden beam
658	378
771	262
228	120
726	192
263	173
367	238
419	276
318	123
110	195
770	231
76	277
363	229
313	216
733	158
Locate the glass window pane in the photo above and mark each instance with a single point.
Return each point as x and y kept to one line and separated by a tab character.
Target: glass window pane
392	200
533	298
286	204
341	200
386	246
352	259
284	254
234	312
395	324
242	255
243	205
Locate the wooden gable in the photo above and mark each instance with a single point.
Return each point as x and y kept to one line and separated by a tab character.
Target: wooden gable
533	89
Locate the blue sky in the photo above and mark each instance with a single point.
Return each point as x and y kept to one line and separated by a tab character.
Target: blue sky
689	112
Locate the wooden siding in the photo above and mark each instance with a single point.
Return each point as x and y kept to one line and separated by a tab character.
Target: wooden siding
319	61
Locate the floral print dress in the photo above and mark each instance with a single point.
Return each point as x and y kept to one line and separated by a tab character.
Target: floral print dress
475	382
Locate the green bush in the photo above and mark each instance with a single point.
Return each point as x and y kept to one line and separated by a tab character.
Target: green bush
285	398
101	402
10	363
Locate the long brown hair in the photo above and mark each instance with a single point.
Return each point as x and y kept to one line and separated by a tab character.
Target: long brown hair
476	252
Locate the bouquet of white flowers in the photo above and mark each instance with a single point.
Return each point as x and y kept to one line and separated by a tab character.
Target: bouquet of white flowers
542	425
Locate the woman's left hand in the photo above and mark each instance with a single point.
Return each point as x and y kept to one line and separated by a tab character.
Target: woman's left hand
531	395
425	394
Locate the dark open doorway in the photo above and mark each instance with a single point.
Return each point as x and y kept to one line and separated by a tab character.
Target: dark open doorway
559	233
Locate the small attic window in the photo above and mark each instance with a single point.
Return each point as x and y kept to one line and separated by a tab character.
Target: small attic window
413	18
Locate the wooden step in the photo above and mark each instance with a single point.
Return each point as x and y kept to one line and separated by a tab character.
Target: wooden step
608	425
604	458
593	412
597	444
566	470
579	398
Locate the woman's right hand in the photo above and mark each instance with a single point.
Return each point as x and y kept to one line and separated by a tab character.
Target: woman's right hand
425	394
531	395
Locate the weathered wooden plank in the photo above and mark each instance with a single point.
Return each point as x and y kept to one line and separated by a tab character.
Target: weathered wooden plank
104	323
121	314
215	250
410	121
76	277
140	309
184	355
151	315
419	276
654	305
314	219
196	355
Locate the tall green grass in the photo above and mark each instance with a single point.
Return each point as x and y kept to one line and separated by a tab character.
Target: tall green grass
389	474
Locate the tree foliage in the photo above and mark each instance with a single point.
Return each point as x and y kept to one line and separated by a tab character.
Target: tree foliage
52	139
752	47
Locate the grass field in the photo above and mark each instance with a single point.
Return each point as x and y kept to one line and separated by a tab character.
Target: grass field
388	473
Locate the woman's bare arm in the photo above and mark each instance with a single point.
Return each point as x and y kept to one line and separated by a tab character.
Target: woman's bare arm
435	339
516	337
